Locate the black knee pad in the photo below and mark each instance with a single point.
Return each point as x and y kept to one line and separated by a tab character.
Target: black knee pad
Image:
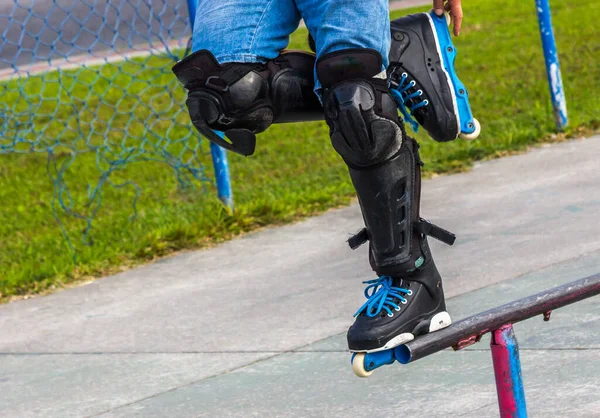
362	116
242	99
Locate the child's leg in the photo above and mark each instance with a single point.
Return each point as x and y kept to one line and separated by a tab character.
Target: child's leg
352	42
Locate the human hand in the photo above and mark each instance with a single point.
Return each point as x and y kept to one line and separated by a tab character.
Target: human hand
455	9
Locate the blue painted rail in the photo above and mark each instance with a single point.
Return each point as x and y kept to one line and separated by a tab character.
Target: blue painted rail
507	371
559	102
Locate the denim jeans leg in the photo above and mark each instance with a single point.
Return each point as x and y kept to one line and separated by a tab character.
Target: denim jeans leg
343	24
244	30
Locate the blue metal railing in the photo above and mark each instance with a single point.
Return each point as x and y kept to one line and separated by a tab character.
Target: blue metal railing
557	92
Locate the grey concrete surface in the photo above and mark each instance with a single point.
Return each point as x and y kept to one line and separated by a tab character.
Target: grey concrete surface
288	294
76	385
320	385
561	364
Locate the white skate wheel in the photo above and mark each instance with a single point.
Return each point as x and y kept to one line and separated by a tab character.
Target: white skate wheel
358	365
474	134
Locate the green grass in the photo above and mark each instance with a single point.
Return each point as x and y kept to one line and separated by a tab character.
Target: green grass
294	173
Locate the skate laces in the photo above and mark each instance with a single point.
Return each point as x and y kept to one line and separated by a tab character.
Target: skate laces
380	296
407	97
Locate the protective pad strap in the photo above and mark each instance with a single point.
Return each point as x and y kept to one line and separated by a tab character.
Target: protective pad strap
426	228
423	227
358	239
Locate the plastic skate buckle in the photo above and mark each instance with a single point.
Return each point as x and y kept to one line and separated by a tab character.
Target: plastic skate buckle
427	228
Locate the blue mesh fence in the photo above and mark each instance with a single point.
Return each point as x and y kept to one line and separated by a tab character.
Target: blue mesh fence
93	77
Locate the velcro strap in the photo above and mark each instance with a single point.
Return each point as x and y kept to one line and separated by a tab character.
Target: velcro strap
359	239
434	231
423	227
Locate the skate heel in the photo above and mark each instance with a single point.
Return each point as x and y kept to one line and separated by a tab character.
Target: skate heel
440	321
470	128
437	322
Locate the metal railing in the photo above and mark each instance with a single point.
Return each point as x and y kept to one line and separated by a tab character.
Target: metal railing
504	346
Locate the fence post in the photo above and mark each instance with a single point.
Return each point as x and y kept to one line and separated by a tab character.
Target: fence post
219	155
557	92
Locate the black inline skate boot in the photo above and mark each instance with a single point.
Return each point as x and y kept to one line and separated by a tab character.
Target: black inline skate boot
399	308
407	299
423	80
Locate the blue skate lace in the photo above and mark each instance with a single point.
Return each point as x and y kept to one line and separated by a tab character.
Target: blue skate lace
381	294
402	97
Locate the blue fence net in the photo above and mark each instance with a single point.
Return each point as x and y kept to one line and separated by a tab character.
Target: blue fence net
94	77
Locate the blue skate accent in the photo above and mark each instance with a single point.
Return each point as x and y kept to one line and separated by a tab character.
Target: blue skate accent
401	95
375	360
378	359
448	51
380	296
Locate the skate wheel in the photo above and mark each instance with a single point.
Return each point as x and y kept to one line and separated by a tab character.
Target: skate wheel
358	365
474	134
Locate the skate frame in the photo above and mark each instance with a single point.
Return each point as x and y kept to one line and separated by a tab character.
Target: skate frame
504	346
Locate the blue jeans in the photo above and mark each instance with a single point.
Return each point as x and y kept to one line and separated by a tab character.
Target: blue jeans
257	30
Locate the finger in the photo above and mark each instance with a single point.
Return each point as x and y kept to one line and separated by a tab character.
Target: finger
457	16
438	7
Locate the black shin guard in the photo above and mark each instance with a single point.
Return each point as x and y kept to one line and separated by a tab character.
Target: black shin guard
384	163
242	100
390	195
